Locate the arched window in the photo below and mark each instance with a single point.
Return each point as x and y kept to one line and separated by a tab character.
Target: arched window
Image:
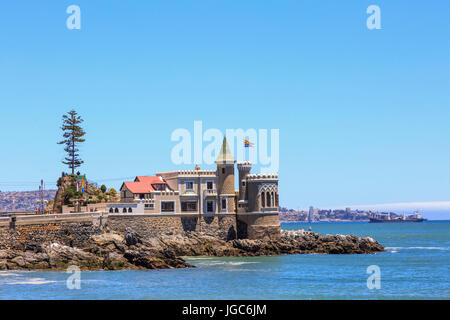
276	199
116	210
124	210
130	210
272	198
263	203
111	210
268	198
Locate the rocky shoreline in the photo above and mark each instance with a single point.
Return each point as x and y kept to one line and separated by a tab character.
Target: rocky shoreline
109	250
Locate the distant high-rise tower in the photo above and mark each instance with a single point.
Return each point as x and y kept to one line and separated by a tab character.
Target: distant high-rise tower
225	178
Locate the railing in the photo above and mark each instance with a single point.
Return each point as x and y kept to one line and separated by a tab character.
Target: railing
51	218
210	193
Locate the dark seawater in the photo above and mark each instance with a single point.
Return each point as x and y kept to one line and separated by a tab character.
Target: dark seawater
415	266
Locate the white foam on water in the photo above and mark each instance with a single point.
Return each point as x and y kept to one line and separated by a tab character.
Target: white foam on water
227	263
35	281
8	274
241	262
425	248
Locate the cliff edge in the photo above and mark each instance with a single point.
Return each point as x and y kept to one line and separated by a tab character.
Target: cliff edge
91	248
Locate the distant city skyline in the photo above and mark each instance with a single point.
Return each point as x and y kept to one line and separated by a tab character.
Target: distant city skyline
362	114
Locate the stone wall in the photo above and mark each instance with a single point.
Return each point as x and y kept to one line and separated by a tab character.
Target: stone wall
71	234
222	226
262	226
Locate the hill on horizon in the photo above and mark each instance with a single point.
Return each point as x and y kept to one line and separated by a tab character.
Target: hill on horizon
17	201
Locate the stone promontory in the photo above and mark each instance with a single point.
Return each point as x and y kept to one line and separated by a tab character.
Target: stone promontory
92	248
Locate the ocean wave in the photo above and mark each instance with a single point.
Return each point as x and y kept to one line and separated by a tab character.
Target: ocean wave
8	274
229	263
425	248
30	281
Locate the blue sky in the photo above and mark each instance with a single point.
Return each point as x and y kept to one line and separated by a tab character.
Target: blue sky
363	114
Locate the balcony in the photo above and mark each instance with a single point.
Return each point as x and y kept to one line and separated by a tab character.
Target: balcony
189	195
209	193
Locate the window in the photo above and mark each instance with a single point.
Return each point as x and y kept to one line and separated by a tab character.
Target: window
189	185
189	206
111	210
224	204
167	206
263	197
149	206
243	183
124	210
209	206
116	210
141	196
268	199
209	185
159	187
130	210
223	170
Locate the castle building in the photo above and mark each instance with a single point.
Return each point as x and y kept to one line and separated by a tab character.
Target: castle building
203	192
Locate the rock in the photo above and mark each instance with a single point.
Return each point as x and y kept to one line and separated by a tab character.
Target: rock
115	261
20	261
3	254
3	265
132	238
107	238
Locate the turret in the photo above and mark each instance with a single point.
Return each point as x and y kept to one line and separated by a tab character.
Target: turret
225	174
244	169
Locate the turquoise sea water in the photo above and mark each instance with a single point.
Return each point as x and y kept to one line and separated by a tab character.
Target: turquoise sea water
415	266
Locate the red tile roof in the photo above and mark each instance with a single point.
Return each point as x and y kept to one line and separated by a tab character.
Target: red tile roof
143	184
149	179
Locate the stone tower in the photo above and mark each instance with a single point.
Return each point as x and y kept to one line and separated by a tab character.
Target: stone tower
244	169
225	178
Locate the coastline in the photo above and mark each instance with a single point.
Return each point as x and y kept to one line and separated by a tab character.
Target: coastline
90	248
286	276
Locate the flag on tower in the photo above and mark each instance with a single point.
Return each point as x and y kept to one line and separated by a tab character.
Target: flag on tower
248	144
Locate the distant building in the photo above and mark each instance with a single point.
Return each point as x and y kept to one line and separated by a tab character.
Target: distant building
313	214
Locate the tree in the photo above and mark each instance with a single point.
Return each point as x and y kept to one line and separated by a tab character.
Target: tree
103	188
73	136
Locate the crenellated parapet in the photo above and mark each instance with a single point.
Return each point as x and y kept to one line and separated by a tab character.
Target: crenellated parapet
244	166
262	177
188	173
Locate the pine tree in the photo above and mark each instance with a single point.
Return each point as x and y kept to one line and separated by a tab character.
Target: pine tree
73	136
